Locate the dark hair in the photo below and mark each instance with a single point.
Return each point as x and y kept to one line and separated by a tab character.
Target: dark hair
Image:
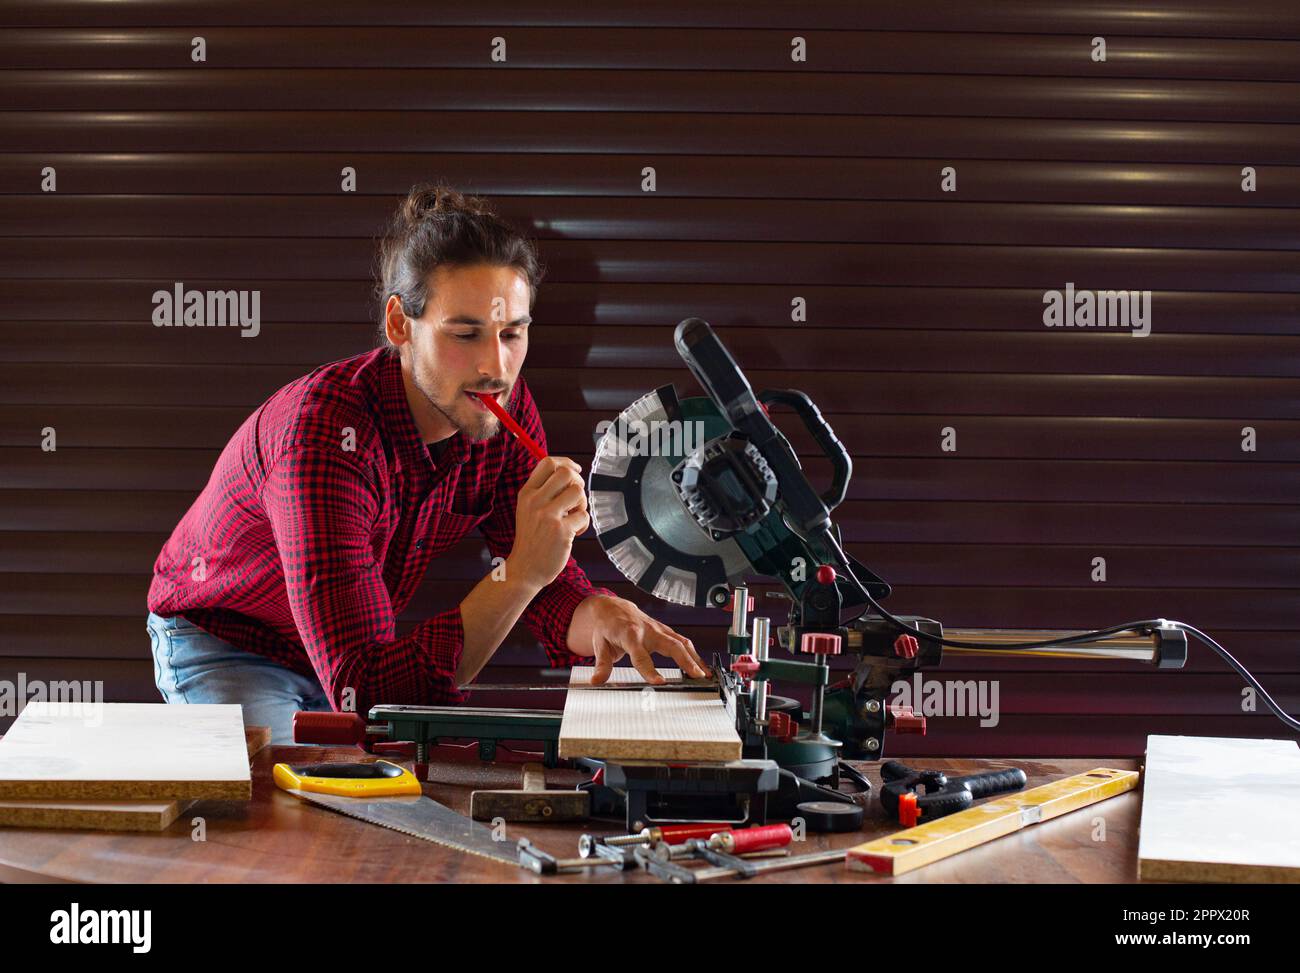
435	226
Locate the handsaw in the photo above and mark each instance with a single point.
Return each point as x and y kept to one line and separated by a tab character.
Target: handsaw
420	817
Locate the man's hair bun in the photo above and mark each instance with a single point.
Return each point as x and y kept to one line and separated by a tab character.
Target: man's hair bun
430	200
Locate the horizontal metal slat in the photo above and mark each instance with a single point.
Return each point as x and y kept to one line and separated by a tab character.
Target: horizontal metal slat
1222	18
771	220
653	48
1028	481
974	437
484	135
1042	523
320	320
1043	566
690	262
611	390
804	353
977	607
76	638
210	87
657	48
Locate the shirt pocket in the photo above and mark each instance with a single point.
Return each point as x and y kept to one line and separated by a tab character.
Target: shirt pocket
453	524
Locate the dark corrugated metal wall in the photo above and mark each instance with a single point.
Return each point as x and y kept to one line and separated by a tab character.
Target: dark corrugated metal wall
775	179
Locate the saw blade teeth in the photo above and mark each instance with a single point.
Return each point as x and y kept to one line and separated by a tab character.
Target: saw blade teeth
631	557
677	586
608	510
465	839
613	455
649	406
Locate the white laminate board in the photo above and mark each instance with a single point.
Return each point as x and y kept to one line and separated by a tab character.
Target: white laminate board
1220	809
580	676
126	751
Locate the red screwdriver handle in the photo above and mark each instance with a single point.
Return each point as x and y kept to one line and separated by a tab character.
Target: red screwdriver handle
753	839
679	834
328	728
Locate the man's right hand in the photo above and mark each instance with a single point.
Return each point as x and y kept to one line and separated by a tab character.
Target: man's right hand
550	512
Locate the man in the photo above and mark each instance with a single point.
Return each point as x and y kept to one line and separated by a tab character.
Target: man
279	589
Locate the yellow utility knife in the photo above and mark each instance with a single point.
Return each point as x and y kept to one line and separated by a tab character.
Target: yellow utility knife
378	779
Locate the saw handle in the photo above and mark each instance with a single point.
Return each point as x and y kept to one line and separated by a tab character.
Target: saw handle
823	434
708	359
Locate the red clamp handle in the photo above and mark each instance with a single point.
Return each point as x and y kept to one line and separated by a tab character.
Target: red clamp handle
679	834
328	728
745	665
752	839
906	646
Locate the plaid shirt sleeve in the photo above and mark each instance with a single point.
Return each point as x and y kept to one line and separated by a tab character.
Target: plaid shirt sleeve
549	614
322	508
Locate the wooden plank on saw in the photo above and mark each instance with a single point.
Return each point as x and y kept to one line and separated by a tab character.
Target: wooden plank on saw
625	677
126	751
646	725
1220	810
110	815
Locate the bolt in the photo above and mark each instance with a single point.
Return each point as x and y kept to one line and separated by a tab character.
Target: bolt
873	744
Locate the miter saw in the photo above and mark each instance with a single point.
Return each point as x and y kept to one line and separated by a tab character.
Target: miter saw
691	498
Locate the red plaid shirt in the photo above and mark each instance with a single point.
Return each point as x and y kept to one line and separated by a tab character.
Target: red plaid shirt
309	539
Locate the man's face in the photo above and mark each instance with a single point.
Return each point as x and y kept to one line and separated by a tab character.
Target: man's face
473	336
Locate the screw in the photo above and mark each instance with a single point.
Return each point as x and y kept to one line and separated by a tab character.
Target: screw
873	744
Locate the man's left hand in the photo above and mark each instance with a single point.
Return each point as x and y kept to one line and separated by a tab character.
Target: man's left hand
619	628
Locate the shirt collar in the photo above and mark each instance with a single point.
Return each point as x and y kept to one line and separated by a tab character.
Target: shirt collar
397	414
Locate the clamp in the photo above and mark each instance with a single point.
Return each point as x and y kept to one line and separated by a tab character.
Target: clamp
942	795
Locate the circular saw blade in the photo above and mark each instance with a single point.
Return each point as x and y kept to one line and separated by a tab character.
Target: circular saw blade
640	521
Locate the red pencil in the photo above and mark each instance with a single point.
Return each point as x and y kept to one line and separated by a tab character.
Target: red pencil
508	421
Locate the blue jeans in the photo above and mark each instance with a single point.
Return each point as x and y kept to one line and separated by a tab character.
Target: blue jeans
193	666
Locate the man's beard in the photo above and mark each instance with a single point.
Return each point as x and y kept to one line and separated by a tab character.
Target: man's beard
474	424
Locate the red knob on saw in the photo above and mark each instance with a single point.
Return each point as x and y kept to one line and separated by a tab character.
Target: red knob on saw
780	726
825	574
752	839
906	646
328	728
745	665
820	643
905	721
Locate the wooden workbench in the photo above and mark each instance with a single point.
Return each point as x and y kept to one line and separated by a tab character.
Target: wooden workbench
277	838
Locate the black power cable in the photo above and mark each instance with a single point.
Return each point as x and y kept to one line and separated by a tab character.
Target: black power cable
1146	625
